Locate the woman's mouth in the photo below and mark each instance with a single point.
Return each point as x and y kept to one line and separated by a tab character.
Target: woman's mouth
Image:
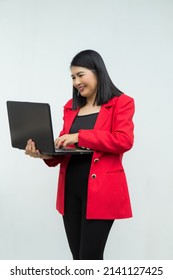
81	89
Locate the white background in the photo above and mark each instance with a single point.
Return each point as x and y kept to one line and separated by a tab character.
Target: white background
38	39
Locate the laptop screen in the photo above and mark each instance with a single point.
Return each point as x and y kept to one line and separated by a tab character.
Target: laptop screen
28	120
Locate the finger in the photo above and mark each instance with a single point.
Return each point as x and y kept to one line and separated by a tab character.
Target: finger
38	153
35	152
33	148
66	143
56	142
28	147
59	142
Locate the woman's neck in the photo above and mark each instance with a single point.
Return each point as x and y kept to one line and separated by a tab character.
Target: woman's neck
89	109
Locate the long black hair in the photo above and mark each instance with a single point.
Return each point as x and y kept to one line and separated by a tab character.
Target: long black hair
106	90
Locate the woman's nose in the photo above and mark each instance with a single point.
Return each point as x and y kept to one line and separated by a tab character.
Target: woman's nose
77	82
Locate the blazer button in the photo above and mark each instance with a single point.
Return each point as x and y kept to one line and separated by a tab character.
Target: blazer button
96	160
93	176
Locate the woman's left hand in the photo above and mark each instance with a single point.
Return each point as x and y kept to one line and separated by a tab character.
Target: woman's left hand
66	140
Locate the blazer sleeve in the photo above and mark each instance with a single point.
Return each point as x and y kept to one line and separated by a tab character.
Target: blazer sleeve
120	138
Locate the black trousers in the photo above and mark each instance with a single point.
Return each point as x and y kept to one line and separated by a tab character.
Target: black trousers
86	238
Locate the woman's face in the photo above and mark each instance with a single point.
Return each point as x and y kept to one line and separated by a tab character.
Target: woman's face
85	81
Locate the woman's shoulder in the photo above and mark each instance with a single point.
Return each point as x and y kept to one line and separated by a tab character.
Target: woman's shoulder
124	96
69	104
121	98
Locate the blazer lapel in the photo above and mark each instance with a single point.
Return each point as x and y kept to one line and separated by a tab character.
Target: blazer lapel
101	119
104	114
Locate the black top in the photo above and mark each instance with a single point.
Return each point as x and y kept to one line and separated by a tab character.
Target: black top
83	122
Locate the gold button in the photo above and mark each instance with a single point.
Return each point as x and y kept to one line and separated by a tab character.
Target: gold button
96	160
93	176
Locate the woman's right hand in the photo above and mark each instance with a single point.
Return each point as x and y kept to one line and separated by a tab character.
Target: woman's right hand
31	150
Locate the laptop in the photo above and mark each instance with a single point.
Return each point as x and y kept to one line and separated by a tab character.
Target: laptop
30	120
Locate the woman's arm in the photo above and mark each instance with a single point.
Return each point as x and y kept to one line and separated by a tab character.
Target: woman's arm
120	138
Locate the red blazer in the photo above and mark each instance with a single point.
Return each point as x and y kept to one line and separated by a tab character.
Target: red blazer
112	135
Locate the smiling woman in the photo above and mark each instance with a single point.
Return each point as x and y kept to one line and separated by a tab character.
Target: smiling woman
85	81
92	189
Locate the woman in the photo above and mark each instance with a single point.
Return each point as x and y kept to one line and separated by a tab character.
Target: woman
92	189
